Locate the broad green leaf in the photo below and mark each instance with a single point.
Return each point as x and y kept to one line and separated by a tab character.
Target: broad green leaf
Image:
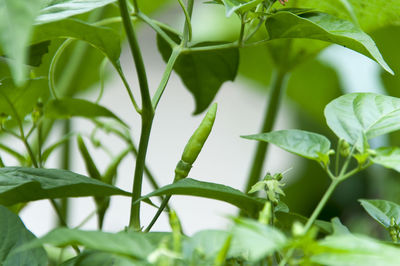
382	211
89	258
306	144
16	23
203	72
191	187
254	241
69	107
323	27
61	9
388	157
131	244
20	184
353	115
104	39
239	6
13	234
21	100
347	249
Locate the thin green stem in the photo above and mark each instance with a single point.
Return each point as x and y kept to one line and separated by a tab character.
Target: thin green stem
40	142
128	89
164	203
187	26
210	47
276	92
321	204
167	73
187	17
337	158
242	28
147	114
156	28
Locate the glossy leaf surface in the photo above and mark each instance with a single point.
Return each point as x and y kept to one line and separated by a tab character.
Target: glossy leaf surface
352	115
191	187
388	157
306	144
13	234
20	184
104	39
324	27
61	9
382	211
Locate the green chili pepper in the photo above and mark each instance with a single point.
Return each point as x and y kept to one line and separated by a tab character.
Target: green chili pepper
195	144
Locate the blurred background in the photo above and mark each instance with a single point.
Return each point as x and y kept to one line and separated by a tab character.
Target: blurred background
226	157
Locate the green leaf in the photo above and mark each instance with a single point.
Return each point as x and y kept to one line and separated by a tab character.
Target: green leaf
323	27
205	244
130	244
253	241
347	249
286	220
20	184
16	22
306	144
382	211
89	258
102	38
61	9
353	115
68	107
203	72
239	6
23	99
388	157
191	187
338	227
13	234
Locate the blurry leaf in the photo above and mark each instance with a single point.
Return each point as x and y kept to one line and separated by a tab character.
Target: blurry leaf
253	241
286	220
388	157
352	115
91	258
324	27
239	6
205	244
13	234
36	53
191	187
23	98
61	9
382	211
387	40
306	144
317	80
338	227
102	38
91	167
68	107
47	152
365	11
21	184
203	72
347	249
16	22
129	244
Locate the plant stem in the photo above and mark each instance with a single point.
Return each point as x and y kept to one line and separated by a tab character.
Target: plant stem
147	113
167	73
321	204
187	27
276	92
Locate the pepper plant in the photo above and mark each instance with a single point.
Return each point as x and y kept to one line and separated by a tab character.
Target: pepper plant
53	49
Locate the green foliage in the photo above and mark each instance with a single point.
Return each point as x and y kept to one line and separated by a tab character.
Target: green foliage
21	184
13	235
42	69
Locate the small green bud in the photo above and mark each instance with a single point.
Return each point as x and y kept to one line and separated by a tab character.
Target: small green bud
344	148
298	229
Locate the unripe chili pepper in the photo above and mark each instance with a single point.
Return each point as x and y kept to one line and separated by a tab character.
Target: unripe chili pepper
195	144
